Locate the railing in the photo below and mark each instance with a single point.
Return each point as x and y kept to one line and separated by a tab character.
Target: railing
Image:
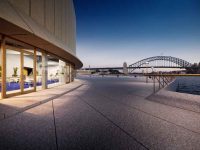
165	79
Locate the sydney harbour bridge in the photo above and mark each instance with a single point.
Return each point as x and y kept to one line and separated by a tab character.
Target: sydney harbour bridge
160	62
153	62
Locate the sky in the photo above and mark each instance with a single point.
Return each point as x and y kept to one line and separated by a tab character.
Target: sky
110	32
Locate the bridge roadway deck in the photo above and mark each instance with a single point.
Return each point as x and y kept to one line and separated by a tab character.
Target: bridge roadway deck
140	67
106	113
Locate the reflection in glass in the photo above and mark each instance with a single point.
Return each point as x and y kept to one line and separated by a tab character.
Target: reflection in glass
39	70
53	72
12	71
62	71
0	73
28	71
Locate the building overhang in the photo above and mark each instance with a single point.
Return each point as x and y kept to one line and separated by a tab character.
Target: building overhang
22	35
21	27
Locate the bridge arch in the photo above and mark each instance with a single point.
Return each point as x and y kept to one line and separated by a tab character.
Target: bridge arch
177	61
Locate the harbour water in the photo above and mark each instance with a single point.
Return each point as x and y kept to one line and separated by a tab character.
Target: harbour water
190	85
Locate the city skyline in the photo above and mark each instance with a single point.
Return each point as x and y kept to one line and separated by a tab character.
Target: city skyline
112	32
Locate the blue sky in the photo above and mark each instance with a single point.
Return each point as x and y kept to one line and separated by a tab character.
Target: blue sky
110	32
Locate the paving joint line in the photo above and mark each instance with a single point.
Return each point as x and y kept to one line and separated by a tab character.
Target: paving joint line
150	114
115	124
38	103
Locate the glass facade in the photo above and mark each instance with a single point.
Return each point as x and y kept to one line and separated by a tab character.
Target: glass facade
13	73
53	71
27	69
38	70
0	73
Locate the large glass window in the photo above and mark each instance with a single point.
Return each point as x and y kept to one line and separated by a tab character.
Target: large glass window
0	72
13	66
19	70
28	70
62	72
25	70
56	71
53	72
39	70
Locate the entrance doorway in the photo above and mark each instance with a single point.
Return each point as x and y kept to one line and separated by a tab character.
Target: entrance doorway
13	73
20	71
28	70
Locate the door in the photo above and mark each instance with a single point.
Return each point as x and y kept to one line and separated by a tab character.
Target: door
28	70
13	73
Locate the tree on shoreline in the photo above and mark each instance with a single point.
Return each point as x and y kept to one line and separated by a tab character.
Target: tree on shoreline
194	69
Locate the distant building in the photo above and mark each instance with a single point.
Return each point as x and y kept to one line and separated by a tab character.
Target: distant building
125	69
38	45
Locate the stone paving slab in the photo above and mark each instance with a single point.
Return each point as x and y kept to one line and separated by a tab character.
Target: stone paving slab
149	129
180	100
134	101
103	115
17	104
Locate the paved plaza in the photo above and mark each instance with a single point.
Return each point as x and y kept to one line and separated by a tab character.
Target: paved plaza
105	113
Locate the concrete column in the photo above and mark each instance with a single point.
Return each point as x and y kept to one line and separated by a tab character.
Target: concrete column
72	73
67	73
3	68
44	70
62	71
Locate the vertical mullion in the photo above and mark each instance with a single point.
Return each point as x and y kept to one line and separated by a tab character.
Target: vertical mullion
44	70
70	75
21	71
3	69
34	69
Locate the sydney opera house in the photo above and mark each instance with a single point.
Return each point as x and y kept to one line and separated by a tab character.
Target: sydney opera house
38	45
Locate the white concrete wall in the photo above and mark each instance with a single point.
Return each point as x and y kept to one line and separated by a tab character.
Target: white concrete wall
52	68
49	25
13	60
56	16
